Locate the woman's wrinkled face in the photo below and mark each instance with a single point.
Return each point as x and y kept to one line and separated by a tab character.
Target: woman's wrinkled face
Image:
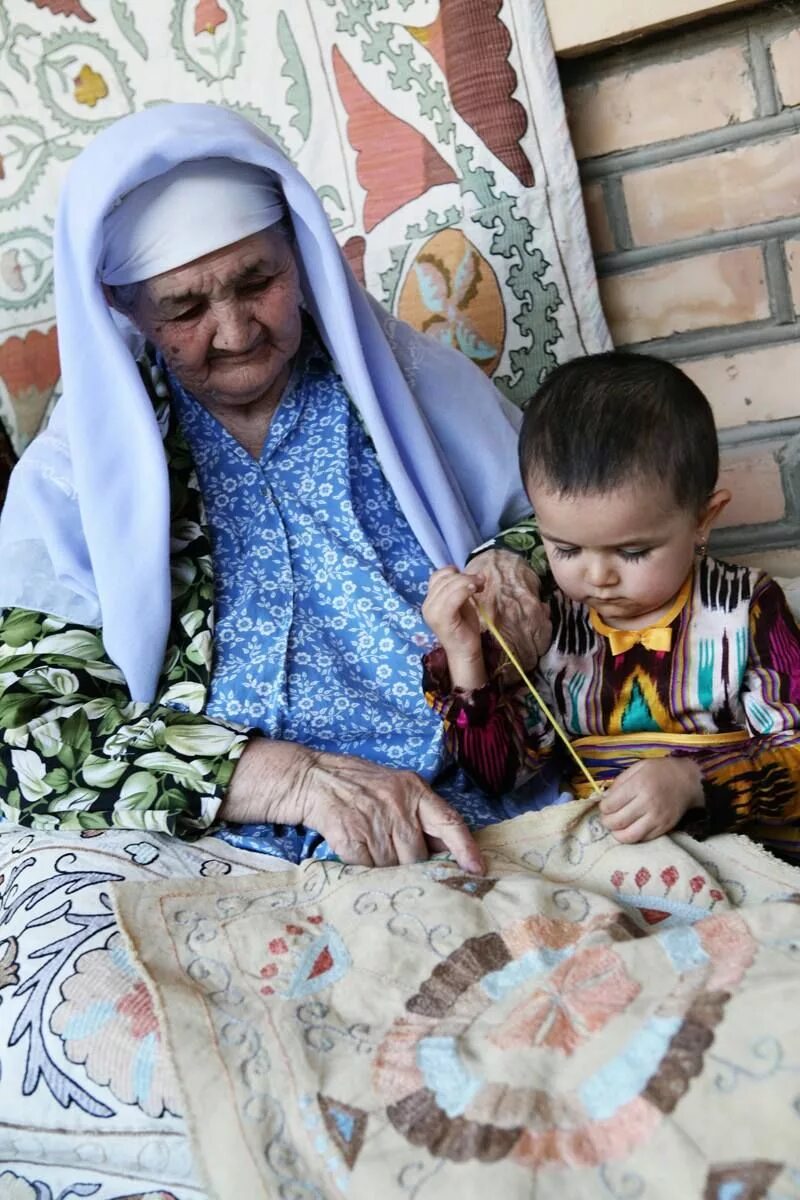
228	324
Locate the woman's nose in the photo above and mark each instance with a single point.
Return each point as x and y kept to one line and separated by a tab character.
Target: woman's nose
233	332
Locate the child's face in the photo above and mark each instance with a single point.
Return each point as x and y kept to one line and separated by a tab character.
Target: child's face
625	553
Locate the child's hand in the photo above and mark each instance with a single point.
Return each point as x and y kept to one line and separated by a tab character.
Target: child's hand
650	798
450	614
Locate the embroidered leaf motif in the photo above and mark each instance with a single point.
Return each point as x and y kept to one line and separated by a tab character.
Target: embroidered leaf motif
298	95
25	152
82	81
471	343
124	18
264	122
466	279
13	55
434	283
327	192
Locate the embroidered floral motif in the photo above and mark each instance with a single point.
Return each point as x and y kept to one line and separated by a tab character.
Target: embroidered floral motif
107	1021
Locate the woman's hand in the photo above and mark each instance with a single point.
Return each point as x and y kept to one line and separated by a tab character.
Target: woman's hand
650	798
510	595
369	814
450	614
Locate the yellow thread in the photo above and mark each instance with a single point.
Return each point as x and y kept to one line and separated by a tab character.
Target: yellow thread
512	658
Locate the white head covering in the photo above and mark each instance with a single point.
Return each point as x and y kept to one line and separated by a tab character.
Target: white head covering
197	207
85	531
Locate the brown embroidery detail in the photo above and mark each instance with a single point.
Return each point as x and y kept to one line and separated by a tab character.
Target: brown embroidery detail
337	1116
476	958
753	1179
684	1057
419	1119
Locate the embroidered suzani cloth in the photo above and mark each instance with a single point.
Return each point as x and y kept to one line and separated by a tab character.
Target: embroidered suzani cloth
432	130
588	1020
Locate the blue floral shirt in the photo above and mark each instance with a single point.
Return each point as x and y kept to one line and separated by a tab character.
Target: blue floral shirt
319	581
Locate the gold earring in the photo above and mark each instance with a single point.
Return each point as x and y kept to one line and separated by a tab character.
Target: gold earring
701	549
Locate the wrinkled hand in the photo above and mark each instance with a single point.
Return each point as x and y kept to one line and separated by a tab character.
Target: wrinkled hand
650	798
369	814
378	816
510	596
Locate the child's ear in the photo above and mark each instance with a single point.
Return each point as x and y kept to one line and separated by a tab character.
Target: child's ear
711	512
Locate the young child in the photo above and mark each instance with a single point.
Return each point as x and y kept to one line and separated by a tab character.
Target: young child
675	676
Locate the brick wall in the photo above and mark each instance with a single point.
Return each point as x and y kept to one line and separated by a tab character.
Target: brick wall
689	146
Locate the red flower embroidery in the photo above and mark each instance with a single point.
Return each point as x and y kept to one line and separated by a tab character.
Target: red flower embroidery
207	16
669	877
697	883
641	877
278	946
617	879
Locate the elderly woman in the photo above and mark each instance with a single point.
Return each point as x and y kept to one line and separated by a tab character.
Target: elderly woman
214	557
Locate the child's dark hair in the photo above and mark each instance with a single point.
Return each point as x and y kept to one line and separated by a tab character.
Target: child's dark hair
608	419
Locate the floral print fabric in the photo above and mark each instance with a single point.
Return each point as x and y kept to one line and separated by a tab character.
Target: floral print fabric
319	580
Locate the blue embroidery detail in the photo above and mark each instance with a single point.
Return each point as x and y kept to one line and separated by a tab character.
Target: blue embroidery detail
683	947
444	1073
678	910
625	1077
303	982
531	965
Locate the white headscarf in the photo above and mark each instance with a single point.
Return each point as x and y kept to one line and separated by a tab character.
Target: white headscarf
197	207
85	531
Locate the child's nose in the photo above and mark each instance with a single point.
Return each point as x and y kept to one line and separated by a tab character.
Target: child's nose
601	572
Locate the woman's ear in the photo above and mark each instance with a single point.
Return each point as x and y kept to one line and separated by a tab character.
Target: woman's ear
710	513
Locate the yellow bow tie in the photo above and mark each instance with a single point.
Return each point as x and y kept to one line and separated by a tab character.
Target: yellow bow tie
657	638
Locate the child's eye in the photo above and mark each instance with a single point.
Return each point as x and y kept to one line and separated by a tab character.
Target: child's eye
566	551
634	555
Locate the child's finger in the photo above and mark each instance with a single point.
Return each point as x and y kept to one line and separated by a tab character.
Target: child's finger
620	794
455	591
444	603
639	831
627	815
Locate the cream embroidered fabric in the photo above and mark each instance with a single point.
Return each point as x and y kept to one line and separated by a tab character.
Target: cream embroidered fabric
600	1019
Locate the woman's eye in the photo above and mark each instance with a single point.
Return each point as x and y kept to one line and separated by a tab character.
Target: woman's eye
566	551
190	314
633	555
253	287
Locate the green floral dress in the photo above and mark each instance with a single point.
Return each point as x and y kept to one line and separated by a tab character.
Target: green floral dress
76	752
